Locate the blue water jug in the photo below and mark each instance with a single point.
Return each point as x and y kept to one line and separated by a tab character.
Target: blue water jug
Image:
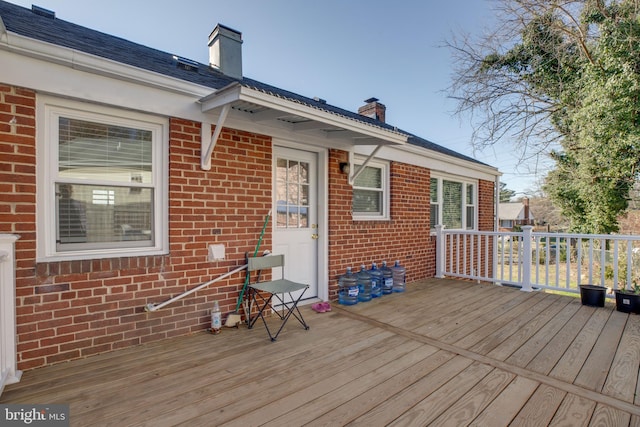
376	281
364	284
387	278
399	277
348	288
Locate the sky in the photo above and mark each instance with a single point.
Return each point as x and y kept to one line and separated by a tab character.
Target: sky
343	51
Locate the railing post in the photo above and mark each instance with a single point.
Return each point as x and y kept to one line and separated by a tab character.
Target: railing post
440	254
9	373
526	258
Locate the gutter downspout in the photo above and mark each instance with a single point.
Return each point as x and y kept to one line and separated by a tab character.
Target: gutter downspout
356	173
207	148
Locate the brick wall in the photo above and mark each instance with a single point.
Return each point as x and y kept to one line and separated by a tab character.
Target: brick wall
486	206
72	309
404	237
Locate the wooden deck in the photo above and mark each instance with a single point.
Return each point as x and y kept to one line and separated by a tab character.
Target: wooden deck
444	353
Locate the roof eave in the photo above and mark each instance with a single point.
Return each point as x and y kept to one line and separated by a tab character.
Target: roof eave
83	61
235	92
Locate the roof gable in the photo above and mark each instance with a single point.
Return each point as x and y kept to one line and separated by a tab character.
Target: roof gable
512	211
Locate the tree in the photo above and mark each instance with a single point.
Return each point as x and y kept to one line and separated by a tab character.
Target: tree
505	194
562	77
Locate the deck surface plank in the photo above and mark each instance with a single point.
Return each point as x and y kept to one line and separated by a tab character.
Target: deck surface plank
574	411
398	404
541	408
445	352
506	406
620	384
545	329
595	370
555	348
571	362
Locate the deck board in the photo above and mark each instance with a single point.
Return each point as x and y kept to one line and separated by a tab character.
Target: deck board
620	384
595	370
548	358
540	408
574	411
506	406
396	405
445	352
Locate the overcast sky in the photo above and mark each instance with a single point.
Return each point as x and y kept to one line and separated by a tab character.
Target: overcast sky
343	51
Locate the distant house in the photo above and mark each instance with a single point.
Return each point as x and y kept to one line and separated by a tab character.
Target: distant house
514	214
124	168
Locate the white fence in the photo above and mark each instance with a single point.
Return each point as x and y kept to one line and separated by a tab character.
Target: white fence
9	373
559	261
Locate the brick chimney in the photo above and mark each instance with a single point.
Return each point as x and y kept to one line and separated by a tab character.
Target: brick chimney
373	109
225	51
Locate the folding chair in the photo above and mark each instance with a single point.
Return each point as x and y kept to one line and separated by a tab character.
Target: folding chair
278	288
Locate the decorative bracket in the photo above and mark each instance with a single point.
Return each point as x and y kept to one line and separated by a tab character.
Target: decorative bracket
356	171
209	143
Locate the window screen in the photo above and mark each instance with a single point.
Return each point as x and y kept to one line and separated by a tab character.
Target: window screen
452	204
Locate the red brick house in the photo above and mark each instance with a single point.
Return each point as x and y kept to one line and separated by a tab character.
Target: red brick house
123	167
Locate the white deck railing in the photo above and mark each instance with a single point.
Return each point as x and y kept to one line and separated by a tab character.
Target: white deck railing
527	259
9	373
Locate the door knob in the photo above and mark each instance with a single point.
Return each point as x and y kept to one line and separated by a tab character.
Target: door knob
314	236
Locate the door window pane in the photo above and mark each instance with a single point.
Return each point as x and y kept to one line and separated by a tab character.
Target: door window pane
292	193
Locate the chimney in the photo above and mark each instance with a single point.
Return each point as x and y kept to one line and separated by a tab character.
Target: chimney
225	51
373	109
525	203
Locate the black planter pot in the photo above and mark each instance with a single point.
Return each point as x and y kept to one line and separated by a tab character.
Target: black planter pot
593	295
627	302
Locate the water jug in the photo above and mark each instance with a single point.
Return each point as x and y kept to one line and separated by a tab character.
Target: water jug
376	281
364	284
387	278
348	288
399	277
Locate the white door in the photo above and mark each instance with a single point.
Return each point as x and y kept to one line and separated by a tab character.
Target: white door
295	218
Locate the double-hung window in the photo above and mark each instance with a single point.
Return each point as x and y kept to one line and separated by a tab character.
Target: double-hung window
453	203
371	192
102	190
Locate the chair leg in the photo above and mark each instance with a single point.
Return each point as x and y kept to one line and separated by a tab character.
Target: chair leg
290	310
261	307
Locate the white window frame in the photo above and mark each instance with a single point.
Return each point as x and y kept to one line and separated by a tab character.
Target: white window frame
48	111
465	183
385	189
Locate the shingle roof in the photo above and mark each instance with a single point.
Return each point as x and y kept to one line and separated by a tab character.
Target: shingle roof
25	22
512	210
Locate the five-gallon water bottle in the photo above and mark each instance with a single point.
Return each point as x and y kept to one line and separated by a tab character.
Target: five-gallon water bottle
376	281
387	278
364	284
399	277
348	288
